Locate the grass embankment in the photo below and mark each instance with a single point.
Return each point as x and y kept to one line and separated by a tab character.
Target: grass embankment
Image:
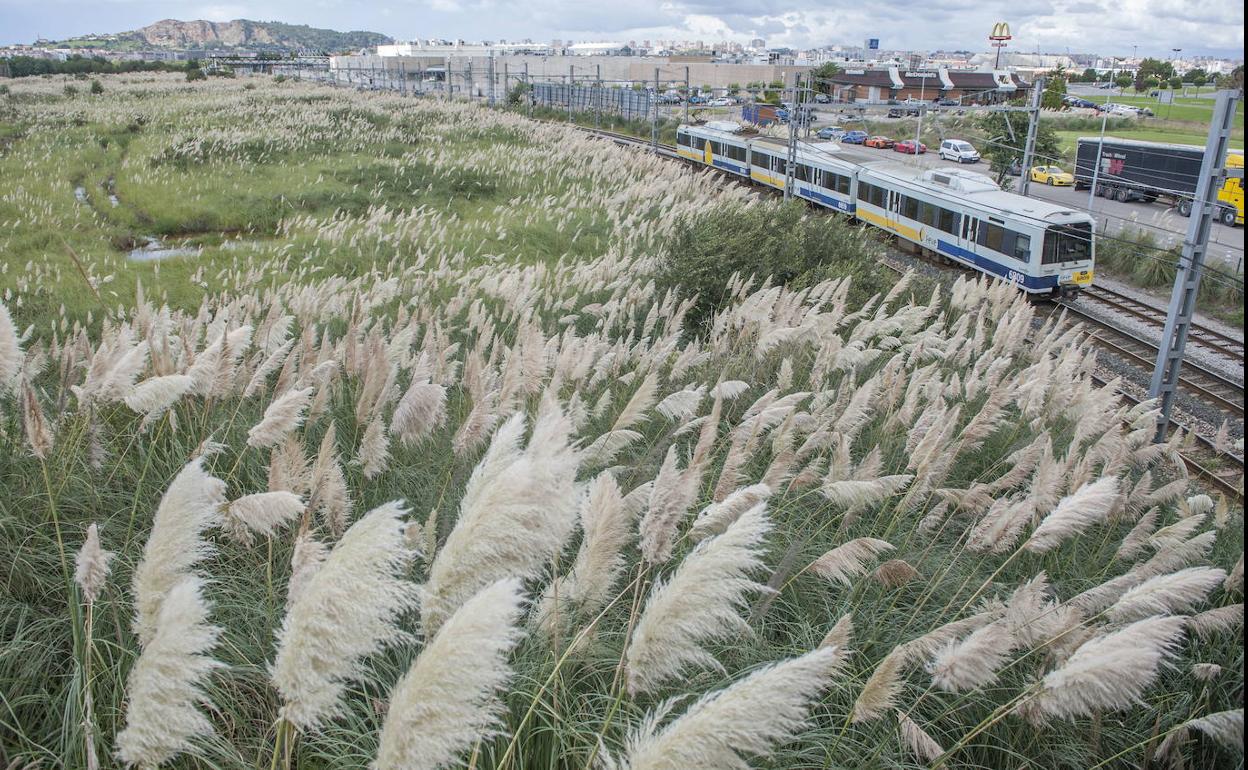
458	318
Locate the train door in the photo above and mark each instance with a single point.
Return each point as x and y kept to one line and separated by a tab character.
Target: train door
893	209
969	233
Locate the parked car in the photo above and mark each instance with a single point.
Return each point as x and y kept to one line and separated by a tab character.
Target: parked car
722	101
958	150
1015	168
1078	101
1053	176
879	142
830	132
698	100
894	113
948	102
823	98
854	137
910	147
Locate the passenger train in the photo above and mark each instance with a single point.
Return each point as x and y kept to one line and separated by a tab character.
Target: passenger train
959	215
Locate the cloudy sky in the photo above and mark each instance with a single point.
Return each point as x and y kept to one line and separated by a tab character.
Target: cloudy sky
1214	27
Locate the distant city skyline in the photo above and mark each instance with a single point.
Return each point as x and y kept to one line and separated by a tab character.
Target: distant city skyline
1106	27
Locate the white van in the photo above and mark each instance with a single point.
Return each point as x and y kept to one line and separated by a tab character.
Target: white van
956	149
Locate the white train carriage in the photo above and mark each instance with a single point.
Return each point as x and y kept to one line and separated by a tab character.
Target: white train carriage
714	147
818	175
968	218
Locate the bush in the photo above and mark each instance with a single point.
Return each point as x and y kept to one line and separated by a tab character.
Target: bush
784	243
195	74
97	87
70	91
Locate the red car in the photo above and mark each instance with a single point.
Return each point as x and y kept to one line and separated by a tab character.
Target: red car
879	142
907	146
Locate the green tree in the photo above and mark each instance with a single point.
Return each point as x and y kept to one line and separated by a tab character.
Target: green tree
1054	90
1006	137
97	87
1199	79
1175	82
1191	75
1155	69
1089	75
1122	81
823	75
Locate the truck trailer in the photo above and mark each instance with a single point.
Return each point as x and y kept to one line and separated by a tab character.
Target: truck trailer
1149	171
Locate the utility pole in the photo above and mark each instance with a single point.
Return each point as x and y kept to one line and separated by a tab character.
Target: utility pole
795	112
1100	148
654	120
571	85
1192	262
530	96
506	80
1033	123
597	96
687	94
446	77
491	60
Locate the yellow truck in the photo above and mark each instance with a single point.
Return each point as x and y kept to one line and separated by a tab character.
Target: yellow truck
1231	195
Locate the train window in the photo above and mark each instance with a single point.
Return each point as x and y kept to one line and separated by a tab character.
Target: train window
1022	247
682	140
910	207
842	184
758	159
1067	243
991	236
697	142
736	152
949	221
717	148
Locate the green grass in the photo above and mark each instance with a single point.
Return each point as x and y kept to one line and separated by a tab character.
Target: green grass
1190	109
1070	139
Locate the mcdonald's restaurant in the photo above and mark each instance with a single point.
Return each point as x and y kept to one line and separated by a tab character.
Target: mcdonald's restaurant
879	86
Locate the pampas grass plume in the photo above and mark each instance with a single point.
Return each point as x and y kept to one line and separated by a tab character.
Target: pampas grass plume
165	687
917	740
1089	504
1166	594
849	560
262	513
699	603
746	719
972	662
91	565
175	545
282	416
344	611
446	701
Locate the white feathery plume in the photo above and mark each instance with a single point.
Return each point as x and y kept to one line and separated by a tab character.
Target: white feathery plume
917	740
841	634
517	511
306	559
855	493
604	448
446	701
747	719
165	688
421	411
1217	620
175	545
282	416
1166	594
329	494
344	611
972	662
155	395
1108	672
682	404
34	424
1135	541
716	517
91	565
849	560
10	350
374	455
289	468
607	527
262	513
673	492
729	389
894	573
1225	727
1206	672
699	603
1090	504
1235	578
643	398
880	692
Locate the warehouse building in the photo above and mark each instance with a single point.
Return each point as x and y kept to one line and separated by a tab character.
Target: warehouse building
876	86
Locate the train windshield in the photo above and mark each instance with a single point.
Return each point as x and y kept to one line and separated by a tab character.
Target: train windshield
1068	243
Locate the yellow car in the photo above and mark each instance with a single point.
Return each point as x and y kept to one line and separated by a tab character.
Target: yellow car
1052	176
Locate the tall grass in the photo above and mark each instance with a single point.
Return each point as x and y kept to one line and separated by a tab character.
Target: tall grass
947	424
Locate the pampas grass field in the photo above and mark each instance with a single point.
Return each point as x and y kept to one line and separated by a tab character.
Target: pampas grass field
418	461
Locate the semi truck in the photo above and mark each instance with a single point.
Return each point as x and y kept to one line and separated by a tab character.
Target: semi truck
1149	171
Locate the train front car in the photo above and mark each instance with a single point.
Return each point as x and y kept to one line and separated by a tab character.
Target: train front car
715	145
1064	262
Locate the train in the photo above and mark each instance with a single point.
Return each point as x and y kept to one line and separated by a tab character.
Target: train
953	214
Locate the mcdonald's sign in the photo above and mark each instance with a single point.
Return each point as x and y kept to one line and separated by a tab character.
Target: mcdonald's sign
1000	31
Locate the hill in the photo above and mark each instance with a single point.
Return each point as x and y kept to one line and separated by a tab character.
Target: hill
241	33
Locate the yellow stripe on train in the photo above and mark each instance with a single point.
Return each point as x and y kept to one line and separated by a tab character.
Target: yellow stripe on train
690	154
881	222
765	178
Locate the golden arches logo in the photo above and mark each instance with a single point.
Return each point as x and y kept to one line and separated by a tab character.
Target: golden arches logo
1000	31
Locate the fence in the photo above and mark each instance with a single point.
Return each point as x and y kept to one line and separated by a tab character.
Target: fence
625	102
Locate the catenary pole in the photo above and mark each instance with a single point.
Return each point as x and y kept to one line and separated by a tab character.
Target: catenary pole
1165	379
1033	125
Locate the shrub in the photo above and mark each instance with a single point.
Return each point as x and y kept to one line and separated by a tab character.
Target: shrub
195	74
97	87
70	91
781	243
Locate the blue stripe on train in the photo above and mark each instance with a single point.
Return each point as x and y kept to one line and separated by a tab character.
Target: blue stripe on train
1029	282
825	199
728	165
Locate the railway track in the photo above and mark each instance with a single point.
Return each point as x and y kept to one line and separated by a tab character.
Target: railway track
1203	336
